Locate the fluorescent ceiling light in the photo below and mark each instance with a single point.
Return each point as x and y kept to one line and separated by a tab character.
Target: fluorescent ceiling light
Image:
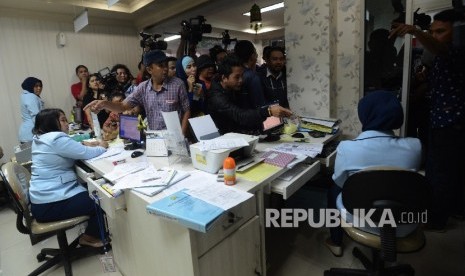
269	8
173	37
261	30
81	21
112	2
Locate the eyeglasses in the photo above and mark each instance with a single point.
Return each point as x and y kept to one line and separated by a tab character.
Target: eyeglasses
38	85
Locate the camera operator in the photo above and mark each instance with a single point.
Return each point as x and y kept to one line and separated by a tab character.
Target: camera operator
192	47
445	162
123	80
191	33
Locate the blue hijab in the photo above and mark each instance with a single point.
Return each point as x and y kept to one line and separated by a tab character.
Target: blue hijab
29	83
380	110
181	65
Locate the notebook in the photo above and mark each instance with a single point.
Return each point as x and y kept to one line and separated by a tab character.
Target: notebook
277	158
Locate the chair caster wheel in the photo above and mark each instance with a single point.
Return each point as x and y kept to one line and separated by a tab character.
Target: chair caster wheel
41	257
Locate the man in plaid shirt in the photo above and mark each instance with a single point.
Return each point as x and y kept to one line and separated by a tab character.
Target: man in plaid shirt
157	94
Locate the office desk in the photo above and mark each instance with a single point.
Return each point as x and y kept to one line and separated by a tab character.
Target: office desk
144	244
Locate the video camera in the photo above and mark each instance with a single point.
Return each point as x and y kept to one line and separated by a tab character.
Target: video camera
421	19
227	39
108	78
152	42
195	28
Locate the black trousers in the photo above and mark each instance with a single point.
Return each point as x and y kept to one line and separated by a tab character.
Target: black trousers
78	205
445	172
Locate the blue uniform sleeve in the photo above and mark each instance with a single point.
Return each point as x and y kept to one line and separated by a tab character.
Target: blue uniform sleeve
340	167
67	147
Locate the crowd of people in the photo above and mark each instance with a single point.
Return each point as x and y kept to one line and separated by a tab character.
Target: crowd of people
239	96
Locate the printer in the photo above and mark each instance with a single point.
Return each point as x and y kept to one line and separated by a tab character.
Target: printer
212	160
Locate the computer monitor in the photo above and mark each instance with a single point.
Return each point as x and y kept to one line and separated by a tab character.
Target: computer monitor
272	128
128	130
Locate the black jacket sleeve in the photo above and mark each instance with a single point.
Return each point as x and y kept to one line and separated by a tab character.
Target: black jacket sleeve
228	116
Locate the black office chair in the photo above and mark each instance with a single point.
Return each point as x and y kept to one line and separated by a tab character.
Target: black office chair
16	178
384	188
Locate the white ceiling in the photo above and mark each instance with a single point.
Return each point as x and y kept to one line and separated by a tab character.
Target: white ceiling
165	16
156	16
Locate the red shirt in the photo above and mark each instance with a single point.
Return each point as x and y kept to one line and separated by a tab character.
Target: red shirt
76	90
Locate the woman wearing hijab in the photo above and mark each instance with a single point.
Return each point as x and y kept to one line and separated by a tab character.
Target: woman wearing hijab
31	104
380	113
186	70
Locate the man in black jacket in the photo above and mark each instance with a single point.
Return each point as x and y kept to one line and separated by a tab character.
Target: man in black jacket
224	103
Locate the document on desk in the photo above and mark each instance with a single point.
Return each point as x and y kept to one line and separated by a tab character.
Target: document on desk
198	206
219	143
143	178
222	196
108	153
156	189
124	169
186	210
307	149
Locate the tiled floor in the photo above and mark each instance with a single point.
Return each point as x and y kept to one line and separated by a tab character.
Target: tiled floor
291	252
18	257
301	251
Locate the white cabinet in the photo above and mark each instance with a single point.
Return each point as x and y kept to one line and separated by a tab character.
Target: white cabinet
144	244
237	255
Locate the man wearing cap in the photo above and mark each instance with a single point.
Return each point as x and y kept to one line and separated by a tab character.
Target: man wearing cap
157	94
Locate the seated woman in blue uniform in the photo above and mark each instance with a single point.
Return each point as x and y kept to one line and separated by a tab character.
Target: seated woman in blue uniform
54	191
380	113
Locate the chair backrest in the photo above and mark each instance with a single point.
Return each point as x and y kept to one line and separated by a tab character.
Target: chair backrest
17	179
382	187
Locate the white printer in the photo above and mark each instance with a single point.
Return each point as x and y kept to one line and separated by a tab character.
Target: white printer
212	160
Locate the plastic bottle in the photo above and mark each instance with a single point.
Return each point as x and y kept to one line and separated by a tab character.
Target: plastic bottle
229	170
80	137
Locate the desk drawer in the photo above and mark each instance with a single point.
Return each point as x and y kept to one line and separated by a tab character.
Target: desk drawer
328	161
288	188
108	203
225	225
83	174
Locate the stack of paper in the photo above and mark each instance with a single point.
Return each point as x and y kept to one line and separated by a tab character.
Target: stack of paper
326	125
158	185
121	170
199	206
187	210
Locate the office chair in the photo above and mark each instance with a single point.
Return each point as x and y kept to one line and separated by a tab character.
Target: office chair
384	188
17	178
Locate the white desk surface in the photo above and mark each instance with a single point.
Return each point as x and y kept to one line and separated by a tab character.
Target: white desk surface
103	166
133	225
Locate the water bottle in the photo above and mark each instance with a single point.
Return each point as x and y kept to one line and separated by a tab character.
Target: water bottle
77	114
81	137
229	171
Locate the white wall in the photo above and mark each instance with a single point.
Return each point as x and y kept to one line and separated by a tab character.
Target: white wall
28	48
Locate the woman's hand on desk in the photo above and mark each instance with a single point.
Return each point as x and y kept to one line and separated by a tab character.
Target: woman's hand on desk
97	143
